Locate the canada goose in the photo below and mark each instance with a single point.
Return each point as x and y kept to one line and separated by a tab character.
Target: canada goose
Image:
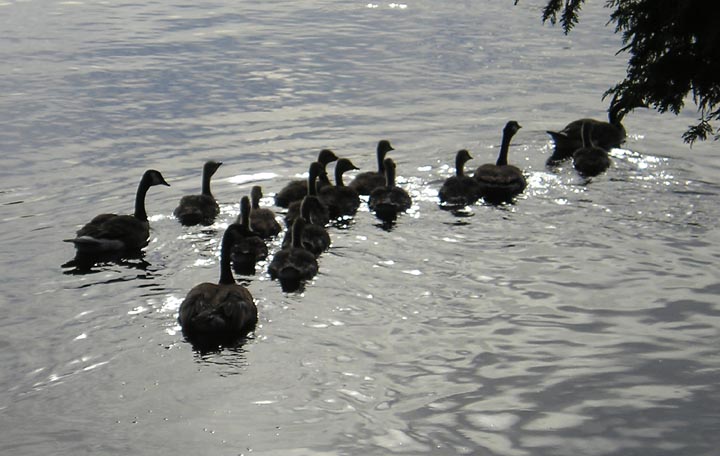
501	182
460	189
390	200
364	183
112	232
249	247
605	135
200	209
214	314
319	215
262	220
293	265
340	199
590	160
315	238
297	189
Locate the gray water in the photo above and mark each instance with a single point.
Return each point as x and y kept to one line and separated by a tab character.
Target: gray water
584	319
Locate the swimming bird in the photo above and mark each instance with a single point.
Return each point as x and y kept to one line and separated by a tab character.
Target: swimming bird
590	160
262	220
389	200
293	265
216	314
460	189
119	233
339	198
249	247
200	209
365	182
501	182
297	189
605	135
319	214
315	238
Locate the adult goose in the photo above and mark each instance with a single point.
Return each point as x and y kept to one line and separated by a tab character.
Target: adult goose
293	265
249	247
501	182
590	160
217	314
364	183
200	209
389	200
108	233
297	189
262	220
340	199
315	238
460	189
605	135
319	214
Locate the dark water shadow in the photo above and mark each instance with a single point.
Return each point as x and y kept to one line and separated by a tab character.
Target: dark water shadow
84	263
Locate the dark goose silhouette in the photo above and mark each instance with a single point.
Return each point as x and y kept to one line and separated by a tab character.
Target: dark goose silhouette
389	200
219	314
294	265
590	160
364	183
319	214
249	247
605	135
262	220
500	182
315	238
340	199
119	233
460	189
297	189
200	209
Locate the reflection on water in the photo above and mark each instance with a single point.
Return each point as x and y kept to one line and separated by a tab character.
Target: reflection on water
582	319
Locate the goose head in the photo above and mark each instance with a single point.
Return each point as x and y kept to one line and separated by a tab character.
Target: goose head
343	165
384	147
153	177
511	128
255	195
326	156
210	167
462	157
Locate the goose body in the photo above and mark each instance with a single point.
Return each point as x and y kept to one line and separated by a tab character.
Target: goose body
262	220
293	265
365	182
590	160
297	189
460	189
220	313
314	238
248	247
389	200
200	209
107	233
319	214
340	199
501	182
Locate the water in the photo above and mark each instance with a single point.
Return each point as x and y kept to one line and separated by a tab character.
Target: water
582	320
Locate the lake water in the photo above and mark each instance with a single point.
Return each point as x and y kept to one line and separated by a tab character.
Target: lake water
584	319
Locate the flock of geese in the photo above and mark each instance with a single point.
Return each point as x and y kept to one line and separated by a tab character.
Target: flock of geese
223	313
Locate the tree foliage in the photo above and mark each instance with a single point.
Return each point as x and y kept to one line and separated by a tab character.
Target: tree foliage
674	48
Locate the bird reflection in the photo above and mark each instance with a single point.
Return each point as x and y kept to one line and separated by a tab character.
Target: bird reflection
84	263
229	359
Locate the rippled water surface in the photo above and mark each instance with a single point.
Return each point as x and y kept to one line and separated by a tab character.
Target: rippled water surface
584	319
